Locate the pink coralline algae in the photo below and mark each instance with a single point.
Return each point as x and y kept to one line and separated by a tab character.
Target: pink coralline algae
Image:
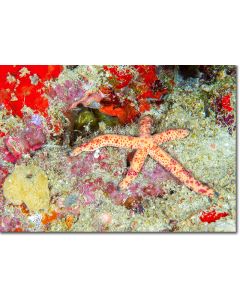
84	166
68	92
157	174
34	137
73	93
3	174
89	184
136	190
8	224
11	222
24	141
88	189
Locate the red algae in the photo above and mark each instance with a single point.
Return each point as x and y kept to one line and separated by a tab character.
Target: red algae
122	78
226	102
212	216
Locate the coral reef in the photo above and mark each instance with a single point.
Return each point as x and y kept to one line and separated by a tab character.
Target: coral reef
48	111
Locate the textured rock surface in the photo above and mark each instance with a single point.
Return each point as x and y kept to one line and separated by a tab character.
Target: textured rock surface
29	185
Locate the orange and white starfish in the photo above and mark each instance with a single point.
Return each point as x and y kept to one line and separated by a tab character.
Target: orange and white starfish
147	144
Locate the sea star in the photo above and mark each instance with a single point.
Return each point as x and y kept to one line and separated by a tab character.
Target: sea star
147	144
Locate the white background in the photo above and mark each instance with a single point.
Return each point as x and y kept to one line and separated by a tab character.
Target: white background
119	266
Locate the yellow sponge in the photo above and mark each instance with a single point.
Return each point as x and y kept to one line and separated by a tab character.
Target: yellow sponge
28	184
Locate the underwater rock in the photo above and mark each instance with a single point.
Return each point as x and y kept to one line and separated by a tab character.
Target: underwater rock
225	226
134	204
71	67
189	71
29	185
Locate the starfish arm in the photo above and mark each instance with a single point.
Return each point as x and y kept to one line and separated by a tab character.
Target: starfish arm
135	167
178	171
119	141
169	135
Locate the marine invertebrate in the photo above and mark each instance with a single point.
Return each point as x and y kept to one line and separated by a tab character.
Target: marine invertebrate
147	144
224	111
212	216
29	185
48	218
226	102
25	86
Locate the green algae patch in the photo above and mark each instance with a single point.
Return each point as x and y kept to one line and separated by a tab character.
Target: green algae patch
29	185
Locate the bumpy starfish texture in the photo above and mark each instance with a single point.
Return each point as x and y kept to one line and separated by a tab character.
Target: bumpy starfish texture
147	144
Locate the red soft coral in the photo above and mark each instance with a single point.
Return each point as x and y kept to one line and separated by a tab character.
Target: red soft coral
24	85
121	77
226	102
212	216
